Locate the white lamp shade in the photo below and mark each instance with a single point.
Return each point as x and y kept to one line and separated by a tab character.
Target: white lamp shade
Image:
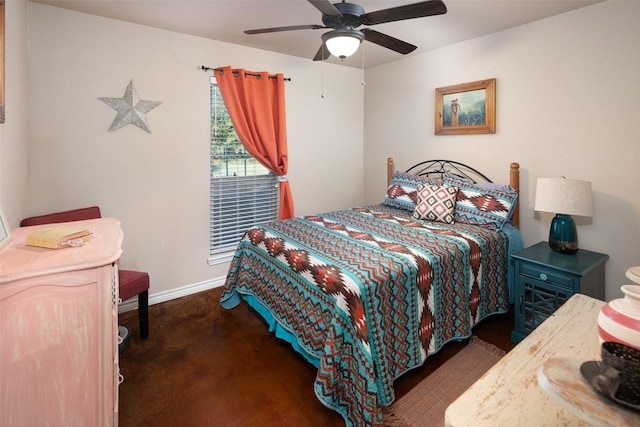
564	196
343	46
343	42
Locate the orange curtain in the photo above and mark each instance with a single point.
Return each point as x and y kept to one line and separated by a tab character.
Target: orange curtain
255	102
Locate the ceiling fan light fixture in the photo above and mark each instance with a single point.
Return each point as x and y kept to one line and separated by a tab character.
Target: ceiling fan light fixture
342	43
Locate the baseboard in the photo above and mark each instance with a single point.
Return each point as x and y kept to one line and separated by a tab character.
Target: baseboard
132	303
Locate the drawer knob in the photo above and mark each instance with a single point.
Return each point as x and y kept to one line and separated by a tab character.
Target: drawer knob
543	276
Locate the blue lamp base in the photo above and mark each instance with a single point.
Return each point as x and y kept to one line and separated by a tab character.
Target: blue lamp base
563	236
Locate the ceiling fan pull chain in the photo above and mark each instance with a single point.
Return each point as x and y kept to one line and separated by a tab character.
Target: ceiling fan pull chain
363	82
322	79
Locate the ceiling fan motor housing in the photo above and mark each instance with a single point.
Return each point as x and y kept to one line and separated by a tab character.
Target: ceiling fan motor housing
351	14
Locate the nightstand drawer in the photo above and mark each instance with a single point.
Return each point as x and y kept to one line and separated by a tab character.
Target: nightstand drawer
546	275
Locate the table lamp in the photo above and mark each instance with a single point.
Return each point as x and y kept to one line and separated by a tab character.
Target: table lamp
564	197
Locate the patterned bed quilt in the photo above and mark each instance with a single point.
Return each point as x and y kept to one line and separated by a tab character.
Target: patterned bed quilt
369	293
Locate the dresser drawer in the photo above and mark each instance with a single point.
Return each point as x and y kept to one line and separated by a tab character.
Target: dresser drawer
546	275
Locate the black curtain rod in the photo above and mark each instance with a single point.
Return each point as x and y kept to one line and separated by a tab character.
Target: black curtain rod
205	68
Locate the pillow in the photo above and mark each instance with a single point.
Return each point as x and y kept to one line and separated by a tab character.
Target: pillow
486	207
402	192
436	203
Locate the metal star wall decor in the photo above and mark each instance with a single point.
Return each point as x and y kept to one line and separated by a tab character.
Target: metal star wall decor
130	109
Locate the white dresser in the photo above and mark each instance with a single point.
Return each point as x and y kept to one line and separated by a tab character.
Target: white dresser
58	330
510	394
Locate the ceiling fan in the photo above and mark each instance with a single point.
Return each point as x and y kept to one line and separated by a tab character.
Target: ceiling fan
344	19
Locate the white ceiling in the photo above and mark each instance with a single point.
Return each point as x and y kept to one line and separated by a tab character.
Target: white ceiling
225	20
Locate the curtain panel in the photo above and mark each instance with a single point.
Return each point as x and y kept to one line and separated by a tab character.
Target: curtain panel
256	105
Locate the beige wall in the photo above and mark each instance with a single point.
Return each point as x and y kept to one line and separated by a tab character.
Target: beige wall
14	133
567	105
158	184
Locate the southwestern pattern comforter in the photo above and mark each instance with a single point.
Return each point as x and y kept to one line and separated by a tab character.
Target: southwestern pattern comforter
370	292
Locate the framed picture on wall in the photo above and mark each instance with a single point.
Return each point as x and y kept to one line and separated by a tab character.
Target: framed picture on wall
467	108
5	234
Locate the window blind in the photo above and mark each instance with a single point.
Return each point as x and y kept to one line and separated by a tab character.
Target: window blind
238	203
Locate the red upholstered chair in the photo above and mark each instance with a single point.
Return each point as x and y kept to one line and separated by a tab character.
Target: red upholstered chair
131	282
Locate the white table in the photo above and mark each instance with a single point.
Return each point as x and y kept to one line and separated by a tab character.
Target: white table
509	393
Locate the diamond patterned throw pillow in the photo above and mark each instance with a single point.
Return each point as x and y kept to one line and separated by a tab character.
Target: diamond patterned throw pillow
436	203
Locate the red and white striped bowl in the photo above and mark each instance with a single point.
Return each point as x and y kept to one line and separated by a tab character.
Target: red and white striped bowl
619	320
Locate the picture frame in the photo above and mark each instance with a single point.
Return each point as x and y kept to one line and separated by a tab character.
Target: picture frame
5	232
467	108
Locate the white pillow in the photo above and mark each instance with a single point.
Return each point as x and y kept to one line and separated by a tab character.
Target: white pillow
436	203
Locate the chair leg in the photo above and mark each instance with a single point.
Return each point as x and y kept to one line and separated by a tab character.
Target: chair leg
143	313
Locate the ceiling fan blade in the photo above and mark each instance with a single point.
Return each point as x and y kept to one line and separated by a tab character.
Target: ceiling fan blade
325	7
290	28
409	11
389	42
322	54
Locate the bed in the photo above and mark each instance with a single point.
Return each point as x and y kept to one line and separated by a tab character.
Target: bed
368	293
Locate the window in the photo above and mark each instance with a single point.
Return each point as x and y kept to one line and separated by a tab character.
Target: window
242	191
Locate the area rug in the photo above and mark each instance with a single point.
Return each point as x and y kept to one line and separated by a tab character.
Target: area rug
425	404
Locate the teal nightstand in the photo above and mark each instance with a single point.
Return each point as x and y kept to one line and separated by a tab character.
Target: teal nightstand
546	279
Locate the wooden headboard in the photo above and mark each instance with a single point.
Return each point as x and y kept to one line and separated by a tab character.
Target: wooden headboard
438	167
